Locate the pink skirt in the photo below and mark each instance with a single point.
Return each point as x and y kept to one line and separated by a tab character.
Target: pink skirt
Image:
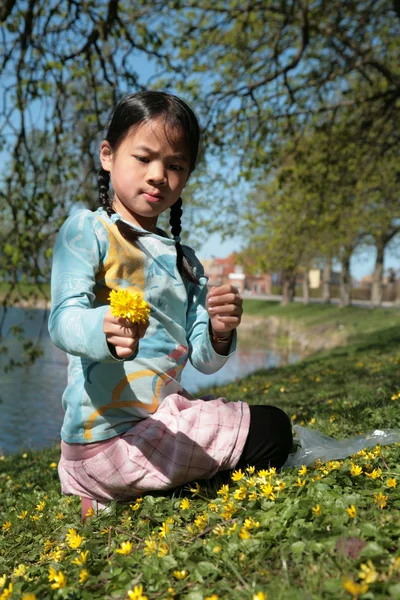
183	441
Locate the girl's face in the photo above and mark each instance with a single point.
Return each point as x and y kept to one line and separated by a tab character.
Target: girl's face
147	173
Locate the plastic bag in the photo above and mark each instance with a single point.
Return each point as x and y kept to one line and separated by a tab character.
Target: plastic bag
314	444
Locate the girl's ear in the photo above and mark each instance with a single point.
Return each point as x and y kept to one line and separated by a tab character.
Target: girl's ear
106	155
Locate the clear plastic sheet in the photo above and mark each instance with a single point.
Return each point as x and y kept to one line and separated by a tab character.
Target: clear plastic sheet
313	445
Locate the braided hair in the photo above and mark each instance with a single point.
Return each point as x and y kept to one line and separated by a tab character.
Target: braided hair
135	110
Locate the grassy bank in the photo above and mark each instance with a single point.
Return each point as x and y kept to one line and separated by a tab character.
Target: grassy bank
328	531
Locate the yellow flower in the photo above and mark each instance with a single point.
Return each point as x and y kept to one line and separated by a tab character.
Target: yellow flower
268	490
201	521
316	510
351	511
56	554
241	493
28	596
3	579
137	504
40	506
83	575
136	593
24	455
253	495
7	592
300	482
53	465
217	549
90	512
73	539
150	547
81	559
380	500
19	571
355	470
163	549
260	596
224	492
164	529
219	530
229	510
250	470
391	482
196	490
355	589
22	515
212	597
244	534
180	574
303	470
368	572
250	523
58	578
374	474
213	506
311	421
129	306
237	475
6	526
59	516
126	548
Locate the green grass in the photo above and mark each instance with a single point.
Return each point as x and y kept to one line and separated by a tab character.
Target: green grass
285	549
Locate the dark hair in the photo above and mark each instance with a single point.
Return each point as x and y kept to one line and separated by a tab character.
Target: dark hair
177	115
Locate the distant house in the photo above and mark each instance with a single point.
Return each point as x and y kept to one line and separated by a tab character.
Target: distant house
226	270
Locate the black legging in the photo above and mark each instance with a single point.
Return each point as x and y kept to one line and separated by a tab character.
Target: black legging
269	440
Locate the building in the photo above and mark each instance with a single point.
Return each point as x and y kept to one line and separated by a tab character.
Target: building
227	270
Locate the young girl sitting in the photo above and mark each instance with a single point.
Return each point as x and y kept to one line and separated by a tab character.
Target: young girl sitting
129	426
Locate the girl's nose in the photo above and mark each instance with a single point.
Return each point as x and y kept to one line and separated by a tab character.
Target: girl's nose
156	173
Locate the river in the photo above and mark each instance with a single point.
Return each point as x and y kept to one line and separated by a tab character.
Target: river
30	410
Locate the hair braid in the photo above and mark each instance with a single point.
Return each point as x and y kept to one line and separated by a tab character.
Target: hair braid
103	178
182	264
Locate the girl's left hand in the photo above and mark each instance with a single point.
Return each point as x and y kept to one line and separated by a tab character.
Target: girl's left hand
225	308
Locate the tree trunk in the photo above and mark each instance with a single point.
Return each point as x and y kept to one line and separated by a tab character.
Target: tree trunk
326	281
345	282
377	283
306	288
289	284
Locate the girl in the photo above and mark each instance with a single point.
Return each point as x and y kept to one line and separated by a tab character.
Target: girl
129	427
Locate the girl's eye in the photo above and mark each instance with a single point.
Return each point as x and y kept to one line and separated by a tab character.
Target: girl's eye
176	168
142	159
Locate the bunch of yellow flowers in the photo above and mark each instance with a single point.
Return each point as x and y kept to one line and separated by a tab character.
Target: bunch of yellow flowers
129	306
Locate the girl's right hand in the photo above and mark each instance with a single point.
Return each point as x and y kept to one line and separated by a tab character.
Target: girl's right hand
123	334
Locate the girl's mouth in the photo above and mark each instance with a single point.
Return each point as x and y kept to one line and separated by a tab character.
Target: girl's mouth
152	197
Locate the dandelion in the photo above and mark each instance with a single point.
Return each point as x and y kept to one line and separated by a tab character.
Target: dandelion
6	526
355	589
58	578
185	504
22	515
137	504
237	475
316	510
355	470
125	548
40	506
81	558
73	539
180	574
351	511
260	596
368	572
303	470
136	593
391	482
380	500
129	306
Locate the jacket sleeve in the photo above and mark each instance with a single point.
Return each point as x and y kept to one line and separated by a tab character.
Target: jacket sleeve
201	352
75	325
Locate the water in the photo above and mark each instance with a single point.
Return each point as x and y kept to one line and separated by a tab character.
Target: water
31	413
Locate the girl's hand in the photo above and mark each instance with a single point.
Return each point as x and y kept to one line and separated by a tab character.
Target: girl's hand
225	309
123	334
